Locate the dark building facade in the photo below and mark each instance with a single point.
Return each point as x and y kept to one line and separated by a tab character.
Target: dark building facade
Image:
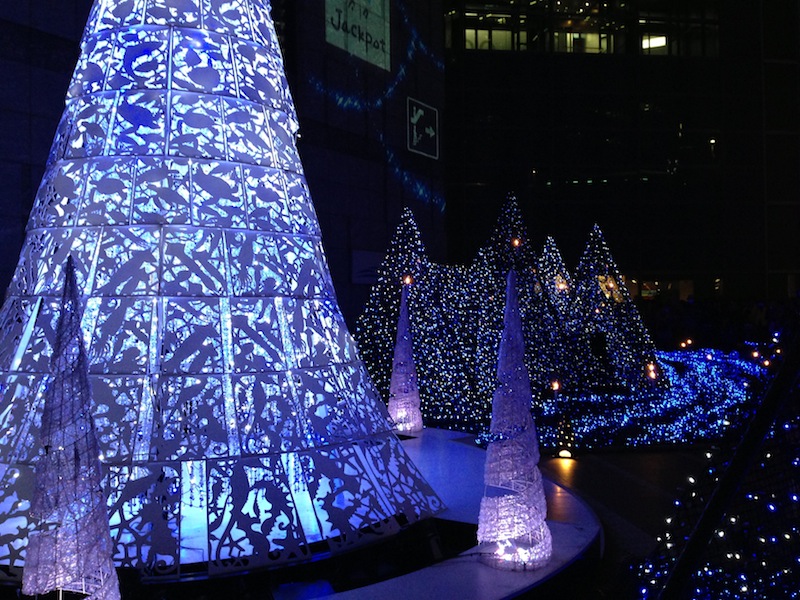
368	81
673	124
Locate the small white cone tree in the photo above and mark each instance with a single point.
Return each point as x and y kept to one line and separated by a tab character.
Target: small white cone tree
511	523
70	546
404	402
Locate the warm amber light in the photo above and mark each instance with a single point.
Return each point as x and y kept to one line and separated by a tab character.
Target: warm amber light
555	386
564	454
408	280
516	242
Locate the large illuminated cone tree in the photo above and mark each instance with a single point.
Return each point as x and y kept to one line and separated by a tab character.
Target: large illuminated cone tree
511	524
238	423
404	402
622	352
70	547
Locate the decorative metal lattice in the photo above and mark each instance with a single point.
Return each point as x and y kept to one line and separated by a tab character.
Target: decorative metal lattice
70	546
511	522
237	422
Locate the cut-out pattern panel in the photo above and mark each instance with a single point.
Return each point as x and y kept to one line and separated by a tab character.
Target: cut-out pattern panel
237	424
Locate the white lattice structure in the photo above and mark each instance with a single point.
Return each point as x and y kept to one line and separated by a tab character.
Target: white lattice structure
511	524
70	547
404	402
237	422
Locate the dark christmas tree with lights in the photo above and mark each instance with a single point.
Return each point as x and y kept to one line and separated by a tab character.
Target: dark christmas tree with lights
557	283
743	514
571	346
376	327
623	355
442	318
510	248
406	262
70	546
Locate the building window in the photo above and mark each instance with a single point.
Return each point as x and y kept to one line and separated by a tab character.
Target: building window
650	27
654	43
587	43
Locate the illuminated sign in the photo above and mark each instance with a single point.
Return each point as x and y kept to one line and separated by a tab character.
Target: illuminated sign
423	129
361	28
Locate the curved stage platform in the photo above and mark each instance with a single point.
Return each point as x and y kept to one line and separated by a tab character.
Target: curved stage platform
453	465
436	558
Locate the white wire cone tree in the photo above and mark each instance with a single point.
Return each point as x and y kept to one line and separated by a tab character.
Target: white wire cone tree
512	529
404	401
237	421
69	548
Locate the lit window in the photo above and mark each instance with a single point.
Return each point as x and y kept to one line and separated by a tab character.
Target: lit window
654	44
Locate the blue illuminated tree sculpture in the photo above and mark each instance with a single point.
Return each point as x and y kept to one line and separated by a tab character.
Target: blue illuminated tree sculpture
376	326
571	343
69	548
622	352
404	402
557	283
443	315
238	422
510	248
511	523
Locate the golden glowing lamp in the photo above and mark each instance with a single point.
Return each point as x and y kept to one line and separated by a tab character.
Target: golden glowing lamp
408	279
651	371
755	353
555	386
564	453
689	342
516	242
